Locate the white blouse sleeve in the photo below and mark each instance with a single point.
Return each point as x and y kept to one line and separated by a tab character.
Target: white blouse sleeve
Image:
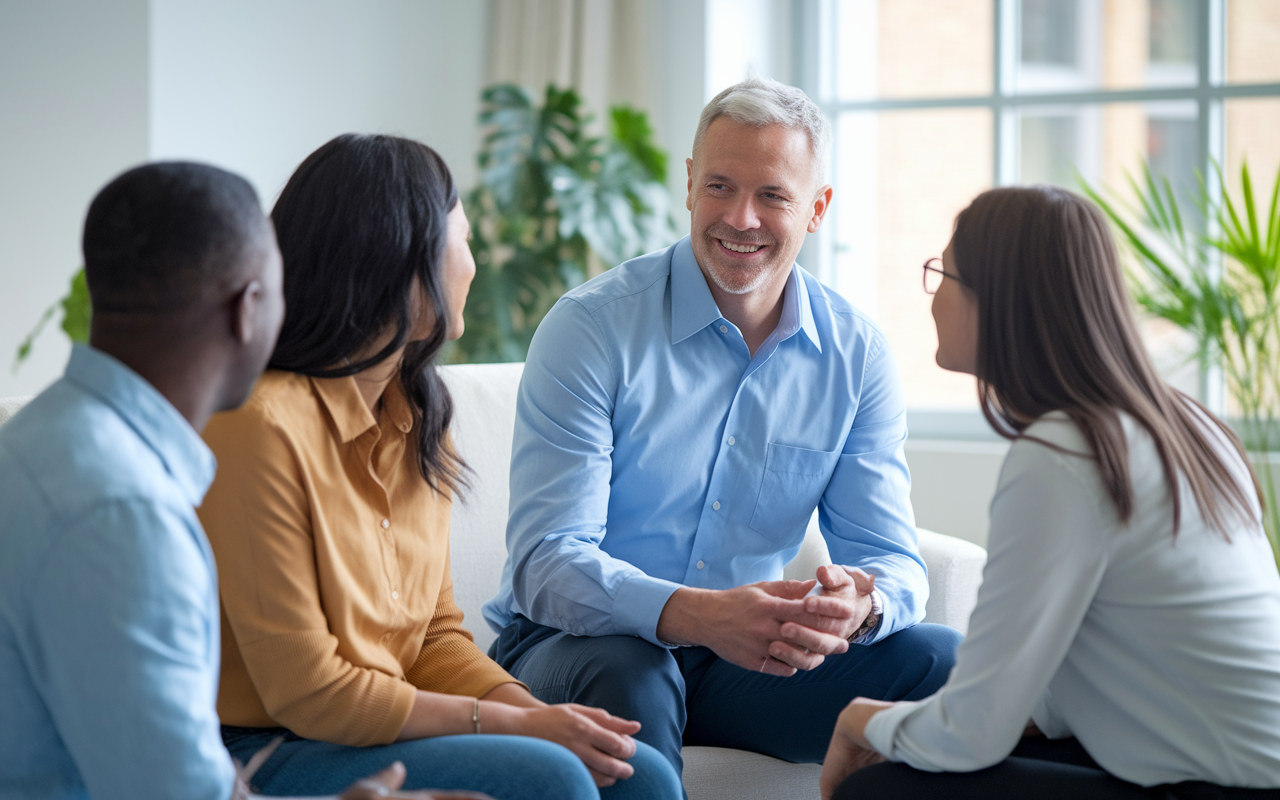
1047	555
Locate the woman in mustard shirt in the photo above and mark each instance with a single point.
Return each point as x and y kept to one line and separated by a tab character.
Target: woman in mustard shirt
329	517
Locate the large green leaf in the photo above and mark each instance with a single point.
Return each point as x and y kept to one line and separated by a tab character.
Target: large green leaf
552	198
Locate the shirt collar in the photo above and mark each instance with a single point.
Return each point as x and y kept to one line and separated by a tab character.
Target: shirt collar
693	308
161	427
352	416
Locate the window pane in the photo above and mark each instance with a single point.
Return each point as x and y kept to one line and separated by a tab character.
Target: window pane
1253	39
1084	45
1105	145
913	48
1251	127
905	175
1049	32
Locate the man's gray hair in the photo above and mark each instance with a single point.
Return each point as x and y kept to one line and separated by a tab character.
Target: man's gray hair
763	101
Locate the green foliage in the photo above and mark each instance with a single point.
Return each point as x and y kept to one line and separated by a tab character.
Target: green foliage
552	203
75	318
1221	289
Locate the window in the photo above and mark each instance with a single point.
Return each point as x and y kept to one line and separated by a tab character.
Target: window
934	101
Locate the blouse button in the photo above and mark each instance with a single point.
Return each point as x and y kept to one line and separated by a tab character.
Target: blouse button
701	564
395	595
386	523
716	505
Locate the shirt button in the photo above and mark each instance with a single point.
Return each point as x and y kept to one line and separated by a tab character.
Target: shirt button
716	505
724	329
386	523
731	441
701	564
395	595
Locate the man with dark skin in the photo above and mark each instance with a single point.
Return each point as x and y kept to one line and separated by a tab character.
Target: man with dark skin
109	620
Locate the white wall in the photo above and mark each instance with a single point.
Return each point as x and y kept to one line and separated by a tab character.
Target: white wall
255	86
73	113
952	484
88	89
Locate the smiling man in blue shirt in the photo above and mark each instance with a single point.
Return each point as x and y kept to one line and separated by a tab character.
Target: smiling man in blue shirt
679	419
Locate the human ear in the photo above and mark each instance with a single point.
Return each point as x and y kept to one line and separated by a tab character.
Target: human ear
244	311
688	200
820	205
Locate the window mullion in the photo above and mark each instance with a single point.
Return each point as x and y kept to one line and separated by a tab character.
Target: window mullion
1004	133
1211	63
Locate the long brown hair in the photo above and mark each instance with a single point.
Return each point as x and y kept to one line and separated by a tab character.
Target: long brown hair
1056	332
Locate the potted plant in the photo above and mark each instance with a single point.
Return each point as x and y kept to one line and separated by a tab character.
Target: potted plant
1222	289
555	205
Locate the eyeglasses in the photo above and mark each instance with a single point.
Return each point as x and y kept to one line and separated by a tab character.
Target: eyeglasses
933	276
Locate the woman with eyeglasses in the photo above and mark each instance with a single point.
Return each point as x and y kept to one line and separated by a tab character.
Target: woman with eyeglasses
1126	640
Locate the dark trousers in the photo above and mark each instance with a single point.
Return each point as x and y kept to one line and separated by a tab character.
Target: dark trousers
1039	769
691	696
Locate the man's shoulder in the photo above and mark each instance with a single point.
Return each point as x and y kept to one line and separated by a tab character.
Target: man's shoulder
847	323
638	279
68	450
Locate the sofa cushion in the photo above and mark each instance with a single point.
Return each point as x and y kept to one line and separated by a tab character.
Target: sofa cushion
10	406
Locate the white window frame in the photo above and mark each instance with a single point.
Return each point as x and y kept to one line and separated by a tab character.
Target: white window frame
816	30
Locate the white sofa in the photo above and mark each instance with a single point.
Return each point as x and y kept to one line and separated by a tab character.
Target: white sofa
485	397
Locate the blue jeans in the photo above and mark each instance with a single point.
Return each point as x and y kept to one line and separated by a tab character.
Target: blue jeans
506	767
690	696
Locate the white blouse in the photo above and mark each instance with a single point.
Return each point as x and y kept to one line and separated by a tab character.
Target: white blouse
1160	654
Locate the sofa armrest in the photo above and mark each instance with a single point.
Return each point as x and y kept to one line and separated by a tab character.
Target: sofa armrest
955	572
10	406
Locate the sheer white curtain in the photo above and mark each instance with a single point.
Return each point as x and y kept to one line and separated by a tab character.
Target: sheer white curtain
598	47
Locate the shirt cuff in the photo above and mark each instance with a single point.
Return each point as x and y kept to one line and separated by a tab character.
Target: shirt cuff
883	726
638	604
877	607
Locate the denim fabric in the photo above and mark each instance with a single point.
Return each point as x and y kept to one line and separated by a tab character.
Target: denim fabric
505	767
109	632
690	696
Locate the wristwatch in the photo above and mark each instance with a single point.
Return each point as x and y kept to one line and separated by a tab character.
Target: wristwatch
871	622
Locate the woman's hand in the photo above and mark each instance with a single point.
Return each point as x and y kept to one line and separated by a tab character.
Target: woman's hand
849	750
601	740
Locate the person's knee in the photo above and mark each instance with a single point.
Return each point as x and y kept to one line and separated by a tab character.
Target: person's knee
624	673
547	769
927	652
882	781
654	778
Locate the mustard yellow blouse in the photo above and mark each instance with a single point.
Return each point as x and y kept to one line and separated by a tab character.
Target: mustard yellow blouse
333	562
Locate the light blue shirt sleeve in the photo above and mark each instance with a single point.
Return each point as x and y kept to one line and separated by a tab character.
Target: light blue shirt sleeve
122	615
560	476
864	513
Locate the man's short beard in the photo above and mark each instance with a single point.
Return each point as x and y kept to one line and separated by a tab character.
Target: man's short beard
761	277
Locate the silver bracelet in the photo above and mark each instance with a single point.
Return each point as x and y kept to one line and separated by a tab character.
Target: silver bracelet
475	715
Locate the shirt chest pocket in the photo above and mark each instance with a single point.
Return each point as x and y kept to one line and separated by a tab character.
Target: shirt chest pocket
793	483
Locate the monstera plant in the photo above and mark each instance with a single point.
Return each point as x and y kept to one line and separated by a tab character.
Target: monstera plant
555	204
1222	288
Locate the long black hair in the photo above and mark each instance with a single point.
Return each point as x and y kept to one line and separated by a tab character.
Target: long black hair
359	220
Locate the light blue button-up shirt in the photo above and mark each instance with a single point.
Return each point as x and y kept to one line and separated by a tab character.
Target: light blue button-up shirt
653	451
109	626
